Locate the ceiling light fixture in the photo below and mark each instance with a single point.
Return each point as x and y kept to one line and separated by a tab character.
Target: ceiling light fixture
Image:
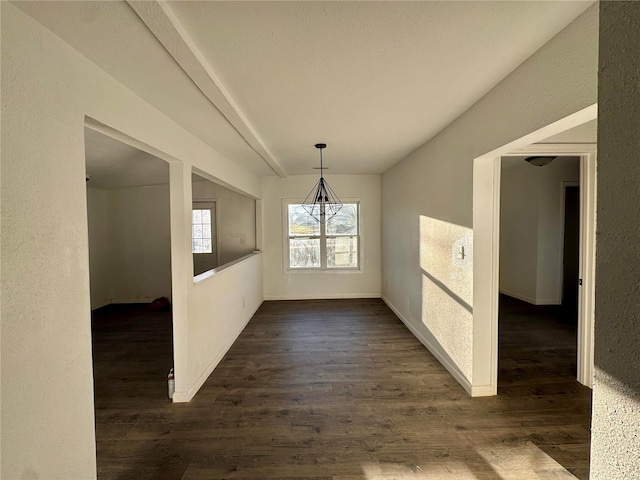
322	203
540	161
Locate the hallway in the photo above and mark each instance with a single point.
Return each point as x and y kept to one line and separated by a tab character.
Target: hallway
538	343
335	389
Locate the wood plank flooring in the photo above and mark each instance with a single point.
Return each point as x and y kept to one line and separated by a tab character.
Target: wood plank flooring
336	389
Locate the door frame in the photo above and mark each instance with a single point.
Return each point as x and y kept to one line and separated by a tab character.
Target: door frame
181	258
486	226
563	216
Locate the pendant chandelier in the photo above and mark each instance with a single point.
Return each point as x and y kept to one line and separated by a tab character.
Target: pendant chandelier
322	203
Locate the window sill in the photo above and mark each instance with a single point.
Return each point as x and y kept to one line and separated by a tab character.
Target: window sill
314	271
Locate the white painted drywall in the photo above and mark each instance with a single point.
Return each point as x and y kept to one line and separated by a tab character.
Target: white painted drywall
615	434
236	219
216	318
446	262
584	133
435	181
47	385
129	244
99	247
279	284
551	227
518	229
139	232
531	228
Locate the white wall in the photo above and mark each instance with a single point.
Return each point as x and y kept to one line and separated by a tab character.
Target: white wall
531	228
436	180
141	243
101	273
216	318
129	244
551	228
518	229
236	219
281	285
47	387
615	434
446	261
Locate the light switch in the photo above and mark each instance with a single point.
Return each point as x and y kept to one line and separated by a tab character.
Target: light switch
461	251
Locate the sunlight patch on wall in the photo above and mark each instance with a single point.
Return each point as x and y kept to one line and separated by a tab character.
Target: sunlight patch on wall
615	402
446	262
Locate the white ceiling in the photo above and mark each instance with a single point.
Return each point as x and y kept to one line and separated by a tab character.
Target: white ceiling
262	82
112	36
112	164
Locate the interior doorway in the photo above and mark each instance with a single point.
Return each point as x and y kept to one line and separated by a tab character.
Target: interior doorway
128	214
539	268
571	248
486	244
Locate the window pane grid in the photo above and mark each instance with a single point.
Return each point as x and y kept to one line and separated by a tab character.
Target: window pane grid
330	246
201	231
304	253
301	223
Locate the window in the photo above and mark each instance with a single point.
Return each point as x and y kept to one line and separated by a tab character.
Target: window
202	231
223	225
334	245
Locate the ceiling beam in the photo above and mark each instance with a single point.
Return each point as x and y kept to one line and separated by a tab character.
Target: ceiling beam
165	26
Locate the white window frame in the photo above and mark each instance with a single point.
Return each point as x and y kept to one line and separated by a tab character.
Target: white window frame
212	226
322	269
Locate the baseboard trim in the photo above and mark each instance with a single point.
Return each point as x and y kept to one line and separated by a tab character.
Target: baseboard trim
322	297
549	301
130	300
483	391
123	301
524	298
532	301
184	397
437	351
100	305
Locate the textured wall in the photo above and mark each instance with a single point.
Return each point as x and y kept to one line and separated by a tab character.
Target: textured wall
446	261
436	180
47	386
615	448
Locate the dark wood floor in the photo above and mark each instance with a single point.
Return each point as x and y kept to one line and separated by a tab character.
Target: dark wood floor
337	390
